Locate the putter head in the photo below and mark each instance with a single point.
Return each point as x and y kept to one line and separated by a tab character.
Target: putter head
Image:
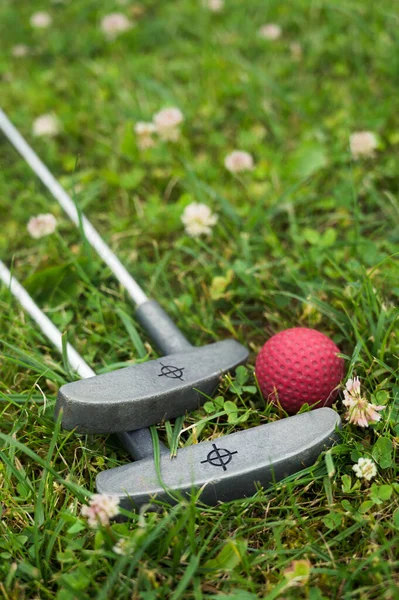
229	467
145	394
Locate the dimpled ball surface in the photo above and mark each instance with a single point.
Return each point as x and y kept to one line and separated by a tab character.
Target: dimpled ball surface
302	366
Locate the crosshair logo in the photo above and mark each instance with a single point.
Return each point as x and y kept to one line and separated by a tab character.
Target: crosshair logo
171	372
219	457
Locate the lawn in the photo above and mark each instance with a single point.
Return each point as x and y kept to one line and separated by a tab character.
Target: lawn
307	236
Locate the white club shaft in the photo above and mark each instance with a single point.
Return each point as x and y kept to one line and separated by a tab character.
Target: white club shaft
75	361
133	289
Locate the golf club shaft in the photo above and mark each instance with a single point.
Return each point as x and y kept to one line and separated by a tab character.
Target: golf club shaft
75	361
164	333
133	289
137	443
158	324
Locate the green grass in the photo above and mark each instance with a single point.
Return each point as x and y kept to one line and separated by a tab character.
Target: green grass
309	238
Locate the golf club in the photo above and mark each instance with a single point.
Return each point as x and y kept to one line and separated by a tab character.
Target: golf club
258	456
137	443
223	469
145	394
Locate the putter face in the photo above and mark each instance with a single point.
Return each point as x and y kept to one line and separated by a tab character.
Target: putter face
229	467
145	394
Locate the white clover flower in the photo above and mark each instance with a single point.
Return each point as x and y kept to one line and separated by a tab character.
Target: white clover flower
168	117
101	509
121	547
41	20
198	219
144	132
46	125
238	161
167	122
213	5
270	31
365	468
360	411
114	24
144	128
363	143
20	50
41	225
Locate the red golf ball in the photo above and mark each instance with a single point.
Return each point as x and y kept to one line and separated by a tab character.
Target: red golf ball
299	366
